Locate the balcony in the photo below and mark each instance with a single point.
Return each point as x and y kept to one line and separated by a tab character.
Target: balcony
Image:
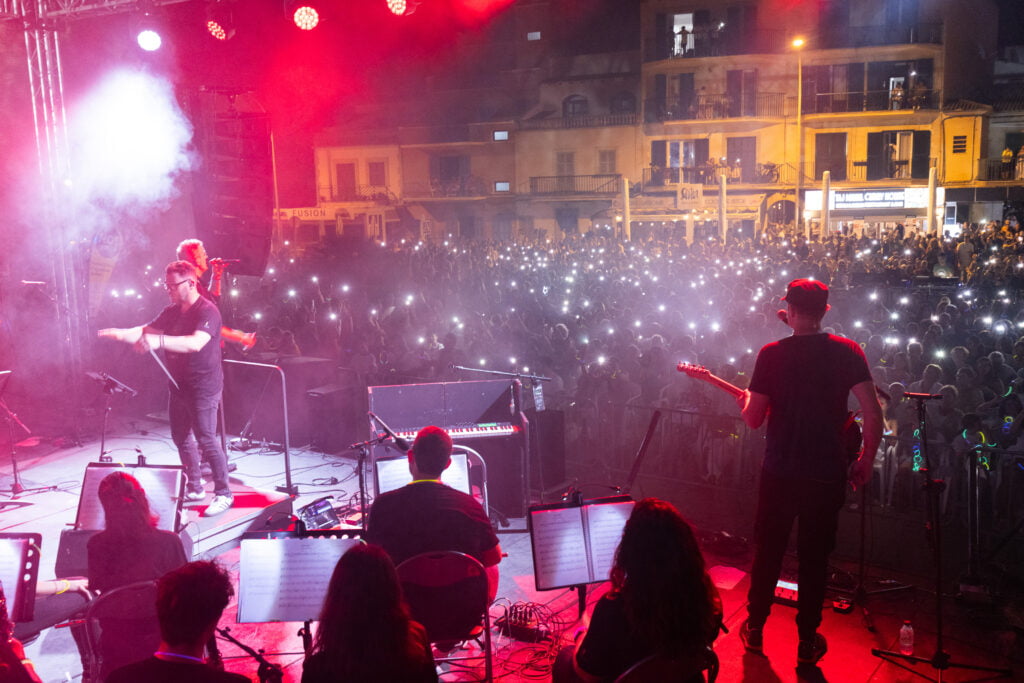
575	184
715	106
589	121
995	170
360	193
709	42
879	168
467	186
708	174
871	100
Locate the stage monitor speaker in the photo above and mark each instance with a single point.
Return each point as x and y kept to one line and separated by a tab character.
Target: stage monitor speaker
327	415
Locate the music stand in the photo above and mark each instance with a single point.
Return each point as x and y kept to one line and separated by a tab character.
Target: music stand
12	419
19	570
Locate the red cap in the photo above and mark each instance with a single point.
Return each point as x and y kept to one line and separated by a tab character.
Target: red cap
807	295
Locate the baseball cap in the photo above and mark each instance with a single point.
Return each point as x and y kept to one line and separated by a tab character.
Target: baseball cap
807	295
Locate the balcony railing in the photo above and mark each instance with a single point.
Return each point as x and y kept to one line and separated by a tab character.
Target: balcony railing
723	42
715	106
708	174
995	169
871	100
468	186
360	193
589	121
880	168
575	184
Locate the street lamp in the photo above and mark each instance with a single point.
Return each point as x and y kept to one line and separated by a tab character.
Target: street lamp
798	44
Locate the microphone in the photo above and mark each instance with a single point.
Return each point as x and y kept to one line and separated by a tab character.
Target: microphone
399	442
225	261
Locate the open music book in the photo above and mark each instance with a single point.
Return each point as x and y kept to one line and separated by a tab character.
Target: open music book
575	545
285	579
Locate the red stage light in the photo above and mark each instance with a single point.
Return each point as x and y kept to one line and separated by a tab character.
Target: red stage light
220	20
216	30
306	17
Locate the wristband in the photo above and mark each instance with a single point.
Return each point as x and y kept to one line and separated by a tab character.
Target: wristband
66	588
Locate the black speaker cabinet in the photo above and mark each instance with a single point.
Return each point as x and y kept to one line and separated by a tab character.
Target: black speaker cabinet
547	448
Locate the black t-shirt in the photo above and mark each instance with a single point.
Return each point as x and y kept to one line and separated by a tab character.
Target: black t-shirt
429	516
155	670
807	379
198	373
114	562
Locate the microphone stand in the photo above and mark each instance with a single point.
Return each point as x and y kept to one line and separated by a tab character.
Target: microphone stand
517	402
268	672
12	419
364	450
933	488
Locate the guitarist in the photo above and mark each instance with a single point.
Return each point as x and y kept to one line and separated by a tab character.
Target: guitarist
801	385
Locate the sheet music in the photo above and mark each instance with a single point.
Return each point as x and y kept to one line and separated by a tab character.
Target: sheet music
393	473
12	559
605	523
285	579
161	484
559	551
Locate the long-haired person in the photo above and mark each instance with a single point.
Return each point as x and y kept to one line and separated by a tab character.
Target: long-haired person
662	601
129	549
365	632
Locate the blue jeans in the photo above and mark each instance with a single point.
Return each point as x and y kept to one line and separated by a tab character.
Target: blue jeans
815	507
194	431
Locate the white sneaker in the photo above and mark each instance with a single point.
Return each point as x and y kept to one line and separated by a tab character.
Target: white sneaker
218	505
194	496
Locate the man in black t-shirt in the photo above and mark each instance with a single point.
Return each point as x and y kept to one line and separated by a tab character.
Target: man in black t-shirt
426	515
801	384
188	332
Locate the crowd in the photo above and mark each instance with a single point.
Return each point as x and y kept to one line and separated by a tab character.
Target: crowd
607	320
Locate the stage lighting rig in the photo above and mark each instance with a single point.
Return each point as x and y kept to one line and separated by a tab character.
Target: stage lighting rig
220	20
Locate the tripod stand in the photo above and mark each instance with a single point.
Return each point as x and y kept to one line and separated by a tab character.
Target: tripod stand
16	487
933	488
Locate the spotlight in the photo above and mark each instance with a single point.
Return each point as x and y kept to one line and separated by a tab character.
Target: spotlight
304	14
220	20
402	8
147	32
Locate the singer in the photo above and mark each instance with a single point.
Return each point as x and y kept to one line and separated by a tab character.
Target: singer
188	332
193	251
426	515
801	385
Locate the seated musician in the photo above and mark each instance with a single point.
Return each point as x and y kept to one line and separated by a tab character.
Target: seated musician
426	515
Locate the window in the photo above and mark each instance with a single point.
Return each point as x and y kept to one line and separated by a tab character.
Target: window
376	172
565	163
502	186
500	135
622	103
830	155
959	144
345	189
605	161
575	105
533	35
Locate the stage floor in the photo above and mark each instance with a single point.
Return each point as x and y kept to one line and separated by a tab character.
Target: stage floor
976	632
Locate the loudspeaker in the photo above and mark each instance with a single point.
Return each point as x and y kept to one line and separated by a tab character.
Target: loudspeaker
504	458
326	408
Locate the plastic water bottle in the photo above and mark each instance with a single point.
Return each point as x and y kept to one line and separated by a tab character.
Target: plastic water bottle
906	638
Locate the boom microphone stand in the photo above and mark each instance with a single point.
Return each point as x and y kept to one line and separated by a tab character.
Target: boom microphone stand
110	387
933	488
16	488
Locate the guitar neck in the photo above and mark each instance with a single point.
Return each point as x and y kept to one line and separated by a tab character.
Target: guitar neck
722	384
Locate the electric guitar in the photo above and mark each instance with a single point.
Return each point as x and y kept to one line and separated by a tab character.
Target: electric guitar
851	436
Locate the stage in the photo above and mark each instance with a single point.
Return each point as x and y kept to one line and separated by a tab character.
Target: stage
976	631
